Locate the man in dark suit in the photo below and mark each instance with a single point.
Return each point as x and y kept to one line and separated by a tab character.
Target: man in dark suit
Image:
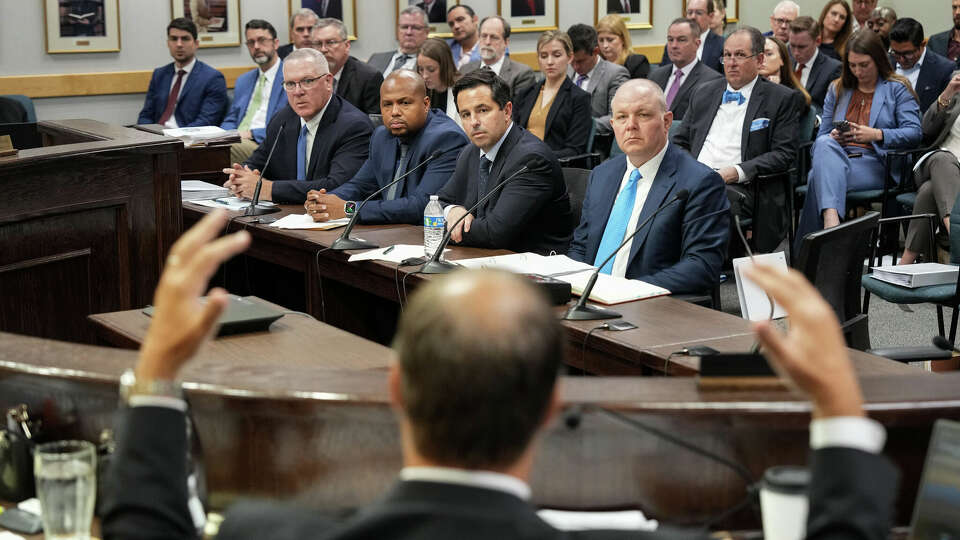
301	25
353	80
744	126
532	211
685	72
814	70
322	144
948	43
926	70
436	10
413	27
186	92
684	247
479	349
623	6
527	8
411	131
711	45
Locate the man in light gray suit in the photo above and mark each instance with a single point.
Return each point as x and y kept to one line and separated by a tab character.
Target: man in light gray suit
412	29
595	75
494	39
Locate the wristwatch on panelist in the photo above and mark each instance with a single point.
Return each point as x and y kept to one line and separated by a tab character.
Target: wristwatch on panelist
131	386
350	208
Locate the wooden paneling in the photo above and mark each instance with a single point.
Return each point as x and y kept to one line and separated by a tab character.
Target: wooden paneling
93	84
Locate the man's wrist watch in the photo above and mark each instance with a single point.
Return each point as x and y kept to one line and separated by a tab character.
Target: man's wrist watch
130	386
350	208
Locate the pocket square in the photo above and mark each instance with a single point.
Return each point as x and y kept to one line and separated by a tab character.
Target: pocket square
759	123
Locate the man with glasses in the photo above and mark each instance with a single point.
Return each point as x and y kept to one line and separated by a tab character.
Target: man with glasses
258	93
322	138
301	24
948	43
927	71
494	39
685	72
353	80
783	14
743	127
815	71
861	12
412	29
711	45
186	92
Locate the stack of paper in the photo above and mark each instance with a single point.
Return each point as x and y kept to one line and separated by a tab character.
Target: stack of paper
305	222
917	275
233	204
203	135
198	190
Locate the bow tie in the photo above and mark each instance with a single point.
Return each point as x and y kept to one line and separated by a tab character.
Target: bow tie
729	96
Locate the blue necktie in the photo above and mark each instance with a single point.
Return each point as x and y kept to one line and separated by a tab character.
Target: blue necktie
617	222
729	96
302	154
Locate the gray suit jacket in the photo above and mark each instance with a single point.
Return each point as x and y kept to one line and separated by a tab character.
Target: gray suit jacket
516	74
700	73
604	82
381	60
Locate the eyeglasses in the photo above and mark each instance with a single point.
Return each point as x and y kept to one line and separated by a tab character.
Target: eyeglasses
328	44
414	27
735	58
259	41
782	22
904	54
305	84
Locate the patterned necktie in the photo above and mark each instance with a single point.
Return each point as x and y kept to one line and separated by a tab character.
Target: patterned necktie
485	165
580	80
302	154
729	96
254	105
672	93
401	168
617	222
399	62
172	98
799	71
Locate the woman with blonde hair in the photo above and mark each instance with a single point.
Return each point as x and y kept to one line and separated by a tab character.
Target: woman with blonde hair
614	41
836	25
435	65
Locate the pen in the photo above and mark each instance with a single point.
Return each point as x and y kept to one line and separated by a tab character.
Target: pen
388	250
221	201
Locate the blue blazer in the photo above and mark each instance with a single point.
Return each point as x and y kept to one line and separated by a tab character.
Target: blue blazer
242	93
935	74
439	133
683	248
202	102
893	109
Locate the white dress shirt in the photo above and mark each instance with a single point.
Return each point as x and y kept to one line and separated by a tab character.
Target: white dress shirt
589	79
172	121
312	132
913	73
648	171
464	477
807	68
260	117
410	64
722	147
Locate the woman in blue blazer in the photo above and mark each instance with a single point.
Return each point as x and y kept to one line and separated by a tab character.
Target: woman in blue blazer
868	110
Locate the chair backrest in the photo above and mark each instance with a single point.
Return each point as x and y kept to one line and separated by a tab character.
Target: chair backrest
955	233
832	259
576	181
376	120
27	105
807	122
593	133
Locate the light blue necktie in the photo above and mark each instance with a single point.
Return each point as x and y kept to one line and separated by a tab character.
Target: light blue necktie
302	154
617	222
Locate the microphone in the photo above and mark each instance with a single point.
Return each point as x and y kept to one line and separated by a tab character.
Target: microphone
435	265
705	216
581	311
255	209
941	343
345	242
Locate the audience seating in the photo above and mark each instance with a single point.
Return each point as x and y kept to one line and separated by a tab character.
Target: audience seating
27	105
576	180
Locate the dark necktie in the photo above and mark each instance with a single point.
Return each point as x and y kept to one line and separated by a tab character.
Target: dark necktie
172	98
799	71
485	165
401	168
399	62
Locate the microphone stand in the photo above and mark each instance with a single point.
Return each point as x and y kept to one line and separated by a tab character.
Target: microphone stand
344	242
581	311
255	209
437	266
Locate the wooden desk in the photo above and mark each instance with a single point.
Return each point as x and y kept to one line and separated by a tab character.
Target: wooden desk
198	162
364	298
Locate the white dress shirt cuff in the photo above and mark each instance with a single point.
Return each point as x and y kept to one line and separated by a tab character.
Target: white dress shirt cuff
158	401
848	432
741	176
447	209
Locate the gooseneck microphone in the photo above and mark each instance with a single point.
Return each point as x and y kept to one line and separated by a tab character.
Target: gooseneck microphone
581	311
345	242
437	266
255	209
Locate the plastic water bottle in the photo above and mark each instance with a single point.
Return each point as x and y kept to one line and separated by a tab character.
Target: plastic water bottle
433	226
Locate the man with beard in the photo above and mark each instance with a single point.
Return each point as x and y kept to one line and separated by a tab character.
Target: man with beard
258	93
948	43
494	39
463	24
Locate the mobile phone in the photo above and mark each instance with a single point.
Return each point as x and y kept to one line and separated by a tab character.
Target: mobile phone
619	326
842	126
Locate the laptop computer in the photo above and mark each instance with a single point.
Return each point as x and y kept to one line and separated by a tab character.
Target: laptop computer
936	513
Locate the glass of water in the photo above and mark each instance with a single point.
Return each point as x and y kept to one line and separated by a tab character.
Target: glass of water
66	486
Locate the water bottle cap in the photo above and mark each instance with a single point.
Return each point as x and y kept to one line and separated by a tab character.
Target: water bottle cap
434	197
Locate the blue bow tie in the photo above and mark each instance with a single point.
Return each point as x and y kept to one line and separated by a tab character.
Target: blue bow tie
729	96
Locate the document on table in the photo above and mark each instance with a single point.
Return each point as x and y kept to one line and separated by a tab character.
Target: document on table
611	289
754	303
395	254
199	185
306	223
627	520
198	190
529	263
230	203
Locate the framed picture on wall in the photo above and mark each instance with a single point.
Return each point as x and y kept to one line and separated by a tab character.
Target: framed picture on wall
218	21
436	14
530	15
732	8
636	14
78	26
345	10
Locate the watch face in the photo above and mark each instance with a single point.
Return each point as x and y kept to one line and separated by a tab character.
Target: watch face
350	207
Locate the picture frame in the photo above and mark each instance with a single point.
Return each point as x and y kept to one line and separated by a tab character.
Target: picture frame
218	21
81	26
732	6
640	16
436	12
345	10
545	14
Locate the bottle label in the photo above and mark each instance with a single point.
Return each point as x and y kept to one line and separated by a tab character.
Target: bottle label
433	221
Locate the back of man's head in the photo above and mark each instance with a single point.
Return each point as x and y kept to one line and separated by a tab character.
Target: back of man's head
584	38
478	353
907	30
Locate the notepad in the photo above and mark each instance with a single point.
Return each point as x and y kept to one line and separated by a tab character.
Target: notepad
612	290
305	222
754	303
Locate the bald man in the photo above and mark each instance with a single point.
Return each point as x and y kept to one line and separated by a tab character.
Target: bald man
683	248
411	131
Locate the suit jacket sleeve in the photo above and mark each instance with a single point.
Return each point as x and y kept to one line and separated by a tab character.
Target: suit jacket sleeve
934	120
907	131
829	110
235	115
578	130
214	101
851	495
148	114
620	76
151	455
782	143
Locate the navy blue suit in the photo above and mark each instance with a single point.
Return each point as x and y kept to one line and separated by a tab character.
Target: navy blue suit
935	74
339	149
439	133
683	248
712	51
202	101
243	92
